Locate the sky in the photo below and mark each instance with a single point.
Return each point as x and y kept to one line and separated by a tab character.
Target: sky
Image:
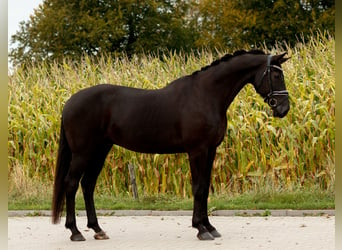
19	10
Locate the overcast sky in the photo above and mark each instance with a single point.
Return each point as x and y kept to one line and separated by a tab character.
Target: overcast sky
19	10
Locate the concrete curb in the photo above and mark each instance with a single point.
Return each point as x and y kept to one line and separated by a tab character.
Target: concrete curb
271	212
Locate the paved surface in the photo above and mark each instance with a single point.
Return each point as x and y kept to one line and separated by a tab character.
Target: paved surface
175	232
278	212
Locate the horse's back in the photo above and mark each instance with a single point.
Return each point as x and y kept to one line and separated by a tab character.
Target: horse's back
94	95
95	100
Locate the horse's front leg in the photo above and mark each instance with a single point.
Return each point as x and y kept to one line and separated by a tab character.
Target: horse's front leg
201	165
210	160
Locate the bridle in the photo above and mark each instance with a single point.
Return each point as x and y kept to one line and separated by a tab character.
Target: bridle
272	102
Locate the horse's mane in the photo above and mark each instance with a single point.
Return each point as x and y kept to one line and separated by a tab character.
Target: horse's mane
227	57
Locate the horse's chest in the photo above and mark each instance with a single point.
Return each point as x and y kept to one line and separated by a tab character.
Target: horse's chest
210	133
218	133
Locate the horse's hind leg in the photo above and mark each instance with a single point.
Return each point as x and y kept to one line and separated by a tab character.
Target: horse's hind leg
72	181
88	185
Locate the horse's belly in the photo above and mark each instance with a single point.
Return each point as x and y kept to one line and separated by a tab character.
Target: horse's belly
150	146
152	149
147	140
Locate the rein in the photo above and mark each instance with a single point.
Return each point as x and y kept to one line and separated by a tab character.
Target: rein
272	102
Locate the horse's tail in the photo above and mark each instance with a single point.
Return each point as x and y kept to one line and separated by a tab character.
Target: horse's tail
62	167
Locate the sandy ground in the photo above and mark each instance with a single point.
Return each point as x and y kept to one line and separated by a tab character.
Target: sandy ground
175	232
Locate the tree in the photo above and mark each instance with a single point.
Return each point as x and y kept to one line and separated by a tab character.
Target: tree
239	23
288	20
153	26
60	29
67	29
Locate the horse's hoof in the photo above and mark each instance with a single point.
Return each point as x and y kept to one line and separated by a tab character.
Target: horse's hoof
101	236
215	233
205	236
77	237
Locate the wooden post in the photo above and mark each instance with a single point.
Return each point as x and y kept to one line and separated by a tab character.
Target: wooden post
133	182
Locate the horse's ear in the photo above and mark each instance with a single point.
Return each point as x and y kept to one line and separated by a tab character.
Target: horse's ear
280	58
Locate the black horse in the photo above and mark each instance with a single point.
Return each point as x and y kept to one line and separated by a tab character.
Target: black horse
188	115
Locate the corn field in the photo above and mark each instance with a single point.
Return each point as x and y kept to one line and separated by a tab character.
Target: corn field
258	152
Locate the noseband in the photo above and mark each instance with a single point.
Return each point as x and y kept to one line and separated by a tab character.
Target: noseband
272	102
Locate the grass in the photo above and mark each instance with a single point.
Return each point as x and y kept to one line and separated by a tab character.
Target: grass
259	155
299	199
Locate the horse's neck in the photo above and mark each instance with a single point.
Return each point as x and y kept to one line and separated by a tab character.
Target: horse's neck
227	81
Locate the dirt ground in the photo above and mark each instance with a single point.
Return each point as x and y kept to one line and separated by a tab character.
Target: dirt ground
175	232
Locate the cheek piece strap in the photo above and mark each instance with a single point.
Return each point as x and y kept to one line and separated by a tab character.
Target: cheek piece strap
270	98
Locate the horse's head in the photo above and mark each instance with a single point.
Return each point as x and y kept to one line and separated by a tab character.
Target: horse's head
269	83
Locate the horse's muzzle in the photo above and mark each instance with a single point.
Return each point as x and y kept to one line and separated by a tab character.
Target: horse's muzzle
281	110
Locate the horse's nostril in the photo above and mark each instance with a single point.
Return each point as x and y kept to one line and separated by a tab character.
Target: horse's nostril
280	114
